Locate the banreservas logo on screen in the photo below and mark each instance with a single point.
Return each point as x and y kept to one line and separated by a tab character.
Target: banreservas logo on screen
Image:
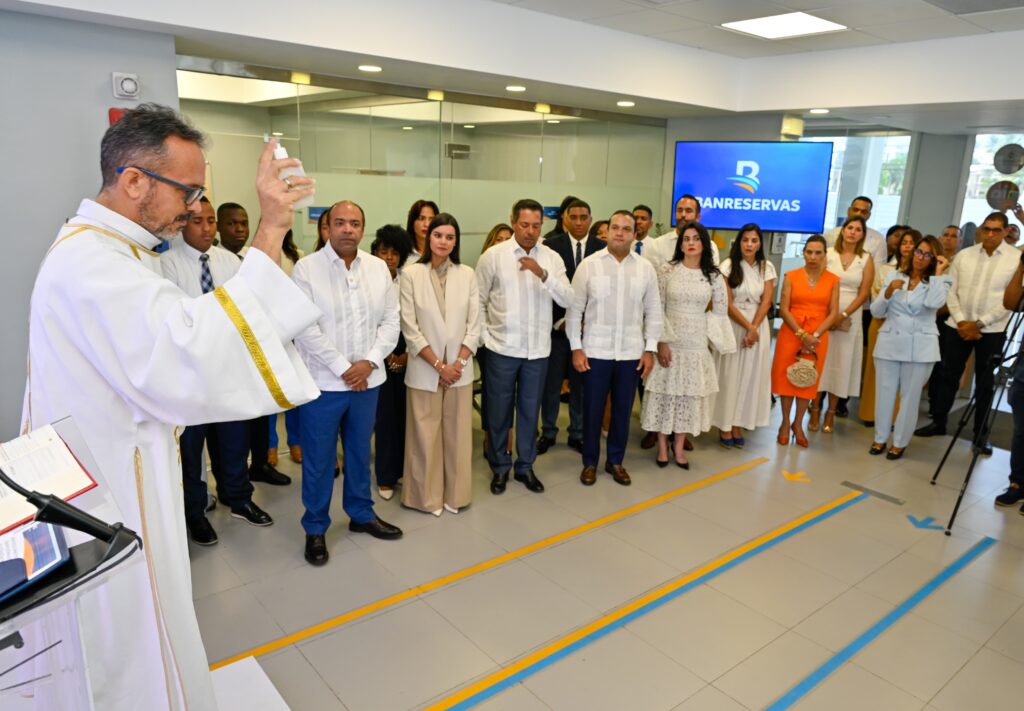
746	178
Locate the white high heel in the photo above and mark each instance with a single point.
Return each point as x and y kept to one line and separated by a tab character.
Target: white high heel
438	512
450	509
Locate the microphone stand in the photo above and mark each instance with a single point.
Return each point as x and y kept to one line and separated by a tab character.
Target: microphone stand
86	558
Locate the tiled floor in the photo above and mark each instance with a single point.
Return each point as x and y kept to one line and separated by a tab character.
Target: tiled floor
738	641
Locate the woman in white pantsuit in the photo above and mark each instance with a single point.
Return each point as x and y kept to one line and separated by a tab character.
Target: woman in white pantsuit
744	398
440	309
908	342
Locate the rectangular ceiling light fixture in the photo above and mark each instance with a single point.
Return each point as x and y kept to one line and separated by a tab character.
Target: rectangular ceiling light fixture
793	24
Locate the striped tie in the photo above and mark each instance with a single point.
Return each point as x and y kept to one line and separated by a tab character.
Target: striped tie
205	277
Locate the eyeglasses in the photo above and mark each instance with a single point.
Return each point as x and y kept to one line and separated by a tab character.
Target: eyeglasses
924	255
192	193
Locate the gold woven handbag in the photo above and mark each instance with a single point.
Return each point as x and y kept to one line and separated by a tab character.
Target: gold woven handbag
802	373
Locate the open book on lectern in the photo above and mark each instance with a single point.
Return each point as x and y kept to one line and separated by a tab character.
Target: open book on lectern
39	461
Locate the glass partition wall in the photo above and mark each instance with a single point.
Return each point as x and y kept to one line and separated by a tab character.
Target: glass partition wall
384	152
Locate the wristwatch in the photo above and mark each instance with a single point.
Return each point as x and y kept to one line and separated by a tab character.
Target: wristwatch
373	366
543	274
463	361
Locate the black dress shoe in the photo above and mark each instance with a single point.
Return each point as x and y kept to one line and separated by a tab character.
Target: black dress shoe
251	513
932	430
201	532
530	481
498	483
377	528
544	444
316	549
649	440
268	475
985	449
841	409
576	444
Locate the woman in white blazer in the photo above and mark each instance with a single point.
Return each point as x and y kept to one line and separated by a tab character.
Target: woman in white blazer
908	342
440	308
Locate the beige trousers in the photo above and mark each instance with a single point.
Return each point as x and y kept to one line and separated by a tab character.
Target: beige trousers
438	448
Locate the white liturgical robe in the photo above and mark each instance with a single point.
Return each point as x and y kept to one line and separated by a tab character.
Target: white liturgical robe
131	358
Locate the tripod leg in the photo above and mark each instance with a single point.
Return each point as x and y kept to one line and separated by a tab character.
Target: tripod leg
968	411
963	490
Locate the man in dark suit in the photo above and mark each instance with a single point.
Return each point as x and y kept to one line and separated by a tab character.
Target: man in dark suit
559	228
572	246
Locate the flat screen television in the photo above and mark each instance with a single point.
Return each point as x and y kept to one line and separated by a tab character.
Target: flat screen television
781	186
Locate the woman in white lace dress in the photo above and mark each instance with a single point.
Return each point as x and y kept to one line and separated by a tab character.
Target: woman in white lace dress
678	396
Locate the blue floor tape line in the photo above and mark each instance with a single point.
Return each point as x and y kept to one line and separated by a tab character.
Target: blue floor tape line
849	651
641	611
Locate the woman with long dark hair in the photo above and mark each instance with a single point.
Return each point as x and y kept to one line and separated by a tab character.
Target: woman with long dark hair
323	230
744	397
808	307
908	342
677	398
420	216
440	307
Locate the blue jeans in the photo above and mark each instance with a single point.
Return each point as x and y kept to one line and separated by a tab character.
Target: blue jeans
321	419
618	377
291	428
518	383
560	368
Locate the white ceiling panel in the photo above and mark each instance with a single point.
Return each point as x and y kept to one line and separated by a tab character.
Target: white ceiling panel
647	22
935	28
1001	21
715	39
880	12
715	12
833	40
578	9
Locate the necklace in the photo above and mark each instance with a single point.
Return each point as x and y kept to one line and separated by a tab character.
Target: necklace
812	280
846	261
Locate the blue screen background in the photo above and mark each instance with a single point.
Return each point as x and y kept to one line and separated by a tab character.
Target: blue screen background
787	171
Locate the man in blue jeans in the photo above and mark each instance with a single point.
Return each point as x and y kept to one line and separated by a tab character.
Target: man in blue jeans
1014	493
518	280
344	352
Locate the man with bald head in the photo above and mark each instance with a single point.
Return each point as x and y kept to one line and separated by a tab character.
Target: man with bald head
344	351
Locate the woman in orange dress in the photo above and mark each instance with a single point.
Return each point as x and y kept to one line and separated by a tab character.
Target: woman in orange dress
809	306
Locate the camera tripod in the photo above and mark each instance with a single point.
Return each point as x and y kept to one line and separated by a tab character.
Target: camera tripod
1003	372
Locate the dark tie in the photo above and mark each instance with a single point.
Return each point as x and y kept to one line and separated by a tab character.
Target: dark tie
579	253
639	246
205	277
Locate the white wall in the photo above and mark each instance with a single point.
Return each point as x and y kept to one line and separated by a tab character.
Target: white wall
57	89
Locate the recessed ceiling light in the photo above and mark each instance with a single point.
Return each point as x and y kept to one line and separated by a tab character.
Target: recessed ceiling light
792	24
370	68
626	104
515	87
469	125
818	111
553	121
277	133
406	128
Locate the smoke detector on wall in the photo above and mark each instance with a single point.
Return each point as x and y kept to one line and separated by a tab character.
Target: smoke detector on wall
126	86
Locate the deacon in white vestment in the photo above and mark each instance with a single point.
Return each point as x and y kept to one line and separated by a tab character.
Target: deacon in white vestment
131	358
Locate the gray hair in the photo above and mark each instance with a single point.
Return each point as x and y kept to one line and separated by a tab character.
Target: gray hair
139	136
